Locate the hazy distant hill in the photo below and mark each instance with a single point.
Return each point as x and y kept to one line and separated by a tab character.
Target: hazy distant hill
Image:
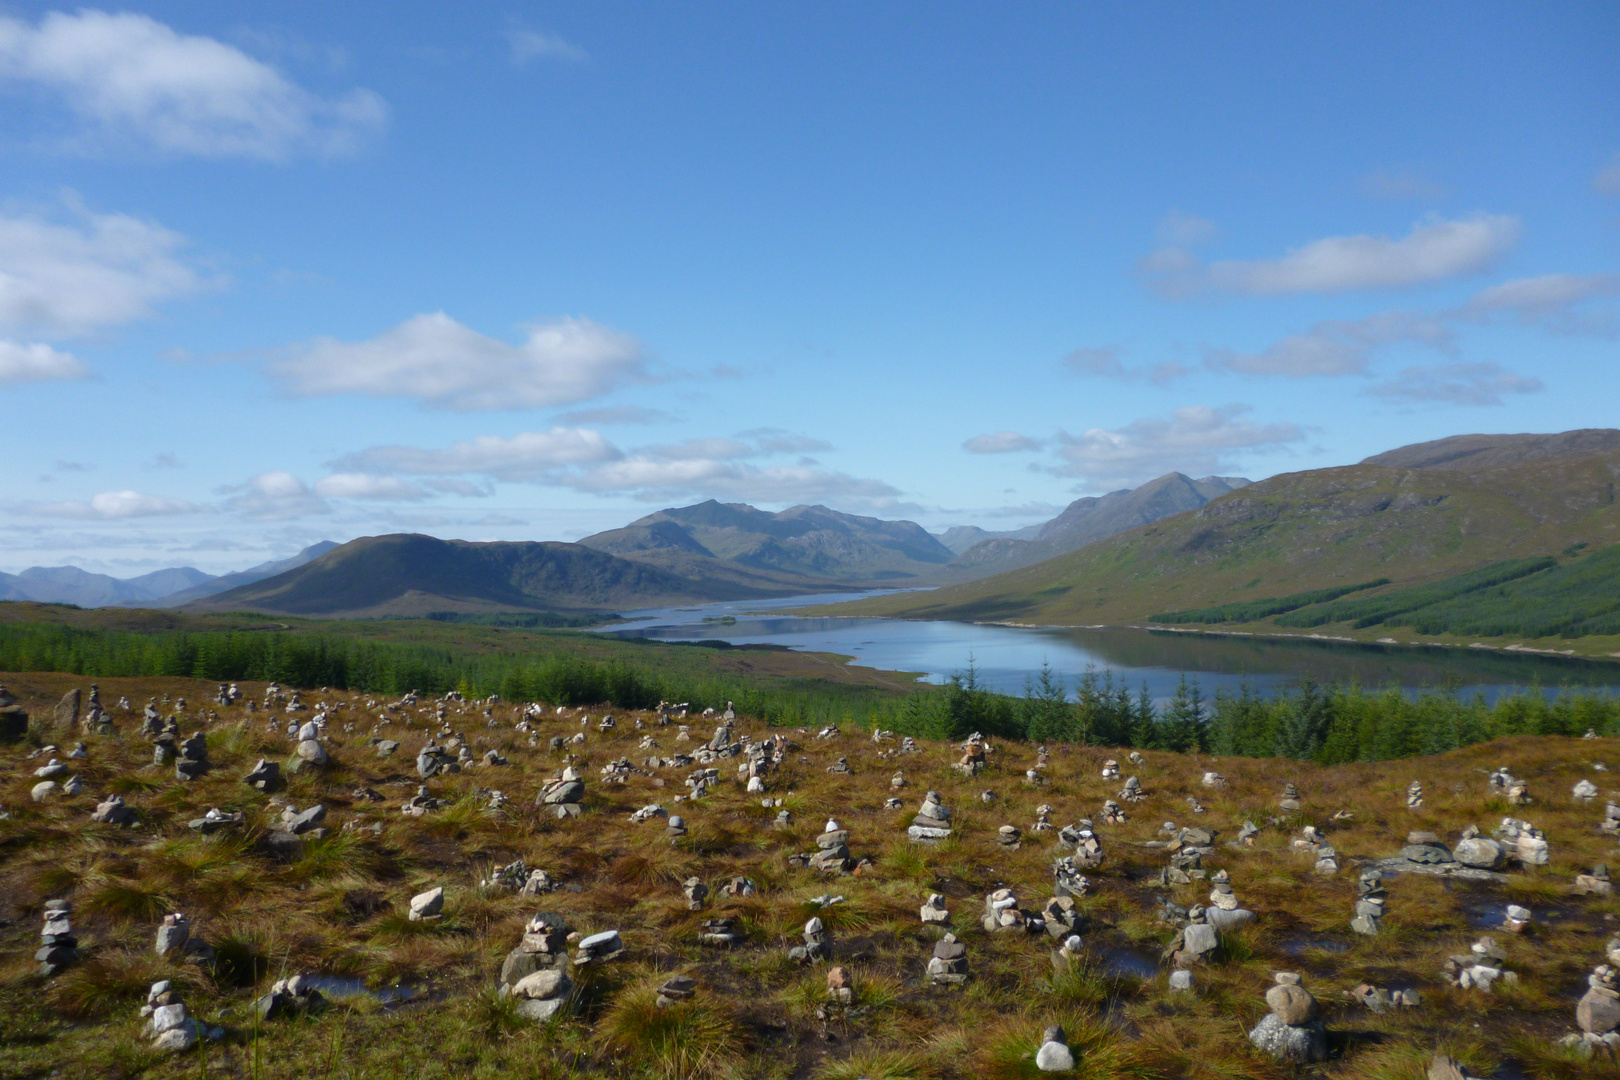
1087	520
811	541
226	582
408	574
1413	515
960	538
70	585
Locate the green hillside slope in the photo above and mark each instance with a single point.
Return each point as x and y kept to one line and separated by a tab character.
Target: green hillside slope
1313	530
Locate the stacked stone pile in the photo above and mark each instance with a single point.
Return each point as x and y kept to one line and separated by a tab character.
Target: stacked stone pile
719	933
1113	813
1224	912
1088	850
817	944
1524	841
544	946
560	797
932	823
1110	769
676	988
1479	852
948	966
1378	999
1060	917
295	996
1370	897
1001	912
1598	1013
599	948
1611	819
1480	967
1426	849
1067	880
1414	796
1194	942
696	893
1290	799
832	850
1595	883
58	946
1043	819
167	1024
1132	791
422	803
1010	837
264	776
176	941
1214	780
933	909
1292	1031
112	811
1584	791
1054	1054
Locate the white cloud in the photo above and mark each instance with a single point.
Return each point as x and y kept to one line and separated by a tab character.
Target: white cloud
1002	442
119	504
1435	249
778	441
1552	302
1334	347
530	455
35	362
366	486
1197	440
528	45
1607	181
1104	362
93	271
276	496
1456	384
438	360
135	81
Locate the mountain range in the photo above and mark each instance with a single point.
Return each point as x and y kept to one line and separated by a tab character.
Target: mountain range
1415	515
172	587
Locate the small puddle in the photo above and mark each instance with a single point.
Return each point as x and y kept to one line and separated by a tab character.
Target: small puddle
1299	946
1124	961
336	986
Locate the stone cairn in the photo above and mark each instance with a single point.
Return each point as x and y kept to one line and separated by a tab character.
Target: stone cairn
1067	880
1132	791
1479	852
58	947
1001	912
1611	819
1503	782
1224	912
599	948
1110	769
719	933
167	1024
1010	837
174	938
112	811
1378	999
560	797
817	945
1370	896
1214	780
1088	851
676	988
1292	1031
1054	1054
1425	849
932	823
1524	841
264	776
1598	1013
1594	884
696	893
536	972
1113	813
1479	967
295	996
1194	942
1290	798
1516	919
948	966
1247	833
933	909
832	850
1043	819
1584	791
1414	796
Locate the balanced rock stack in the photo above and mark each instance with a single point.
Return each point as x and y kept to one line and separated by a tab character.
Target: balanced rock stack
1223	912
932	823
1061	917
1009	837
1414	796
1194	942
174	938
1594	884
289	997
544	946
168	1026
193	758
696	893
1292	1031
1043	818
1110	769
1290	798
560	797
816	948
1113	813
1611	819
1516	919
1584	791
1370	896
599	948
832	850
1088	852
1001	912
1479	852
308	753
1054	1054
718	933
933	909
971	762
948	966
58	947
1132	791
112	811
1525	842
1327	860
676	989
1479	967
1067	880
1247	833
1598	1012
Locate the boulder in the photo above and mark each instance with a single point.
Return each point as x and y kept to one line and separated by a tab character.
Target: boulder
1293	1044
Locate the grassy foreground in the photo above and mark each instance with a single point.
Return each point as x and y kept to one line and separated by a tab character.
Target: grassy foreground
338	909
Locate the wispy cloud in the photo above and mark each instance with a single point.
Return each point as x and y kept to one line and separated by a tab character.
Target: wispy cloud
1334	347
1197	439
118	504
1002	442
441	362
134	82
277	495
25	362
528	456
1555	302
1434	250
1104	362
1455	384
618	414
366	486
527	44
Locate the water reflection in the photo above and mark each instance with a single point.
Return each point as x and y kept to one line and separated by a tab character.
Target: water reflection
1005	656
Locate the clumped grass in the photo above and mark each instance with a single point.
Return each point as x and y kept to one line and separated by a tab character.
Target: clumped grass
881	1065
1100	1052
685	1041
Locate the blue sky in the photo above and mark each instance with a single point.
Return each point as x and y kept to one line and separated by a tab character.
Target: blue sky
276	273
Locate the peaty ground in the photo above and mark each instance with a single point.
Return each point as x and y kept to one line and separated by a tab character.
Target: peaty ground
338	908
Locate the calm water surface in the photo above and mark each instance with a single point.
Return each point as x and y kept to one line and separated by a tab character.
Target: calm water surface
1006	656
